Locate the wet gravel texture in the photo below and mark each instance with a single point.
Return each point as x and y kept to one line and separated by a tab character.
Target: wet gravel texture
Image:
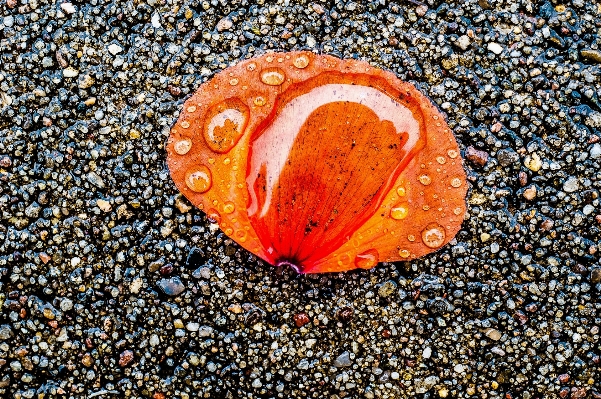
113	286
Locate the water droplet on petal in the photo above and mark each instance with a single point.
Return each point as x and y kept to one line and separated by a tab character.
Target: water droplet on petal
260	101
399	211
272	76
452	154
367	259
229	207
411	237
191	108
185	124
233	81
226	124
181	147
425	180
441	160
403	253
252	66
301	61
269	58
400	190
433	235
344	259
229	231
457	211
198	179
456	182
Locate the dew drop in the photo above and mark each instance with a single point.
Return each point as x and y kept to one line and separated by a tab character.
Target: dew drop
411	237
252	66
185	124
457	211
367	259
229	231
441	160
229	207
272	76
269	59
226	124
399	211
227	161
260	101
233	81
198	179
191	108
456	182
426	207
403	253
452	154
400	190
425	180
181	147
433	235
301	61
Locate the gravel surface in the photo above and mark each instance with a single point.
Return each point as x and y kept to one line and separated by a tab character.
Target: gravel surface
113	286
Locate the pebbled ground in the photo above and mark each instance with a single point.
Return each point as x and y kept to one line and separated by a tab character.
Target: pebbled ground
113	286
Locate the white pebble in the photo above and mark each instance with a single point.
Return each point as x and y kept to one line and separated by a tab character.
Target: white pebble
495	48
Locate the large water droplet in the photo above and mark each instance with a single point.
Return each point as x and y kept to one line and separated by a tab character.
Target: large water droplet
225	124
425	180
456	182
403	253
400	190
433	235
198	179
399	211
229	207
272	76
301	61
452	154
367	259
181	147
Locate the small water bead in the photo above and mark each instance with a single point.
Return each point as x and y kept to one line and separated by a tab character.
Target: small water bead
259	101
441	160
185	124
272	76
452	154
457	211
456	182
191	108
403	253
233	81
400	190
227	122
425	180
399	212
433	235
411	237
343	259
229	231
367	259
426	207
229	207
302	61
252	66
269	59
181	147
227	161
198	179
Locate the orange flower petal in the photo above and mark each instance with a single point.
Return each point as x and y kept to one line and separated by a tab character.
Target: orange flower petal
319	163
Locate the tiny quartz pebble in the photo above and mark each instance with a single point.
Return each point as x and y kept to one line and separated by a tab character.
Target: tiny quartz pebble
247	143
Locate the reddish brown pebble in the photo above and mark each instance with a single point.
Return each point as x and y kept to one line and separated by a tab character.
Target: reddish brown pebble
158	395
523	178
564	392
5	162
546	225
598	218
578	393
125	358
44	257
11	3
521	317
386	333
345	314
300	319
563	378
477	157
166	270
174	90
87	360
